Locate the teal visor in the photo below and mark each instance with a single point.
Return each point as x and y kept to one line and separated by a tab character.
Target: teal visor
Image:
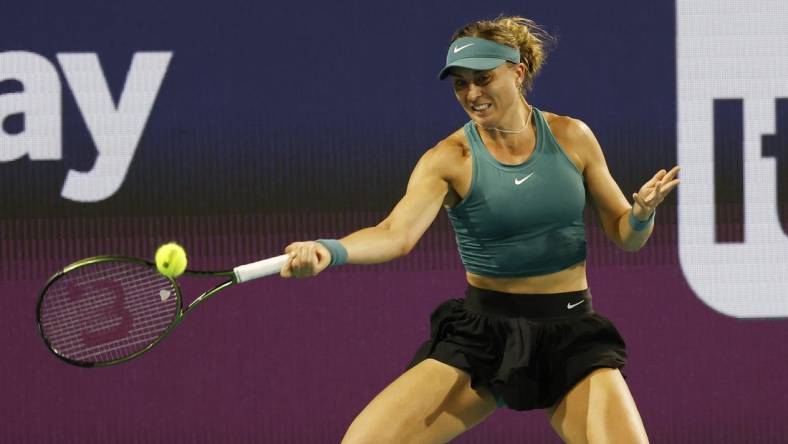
477	54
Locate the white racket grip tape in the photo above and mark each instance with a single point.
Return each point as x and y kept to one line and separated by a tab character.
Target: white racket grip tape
265	267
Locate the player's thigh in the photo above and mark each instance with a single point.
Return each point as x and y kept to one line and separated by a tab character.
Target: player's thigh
599	409
430	403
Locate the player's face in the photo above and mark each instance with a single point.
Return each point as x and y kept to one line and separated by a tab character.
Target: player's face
487	96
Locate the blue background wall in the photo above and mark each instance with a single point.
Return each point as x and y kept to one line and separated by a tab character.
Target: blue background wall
278	122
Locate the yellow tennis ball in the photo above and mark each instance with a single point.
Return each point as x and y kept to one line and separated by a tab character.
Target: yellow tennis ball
171	260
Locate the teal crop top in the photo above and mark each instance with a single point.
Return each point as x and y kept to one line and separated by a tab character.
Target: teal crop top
521	220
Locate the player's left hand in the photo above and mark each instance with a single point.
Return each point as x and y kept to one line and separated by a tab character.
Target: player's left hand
653	192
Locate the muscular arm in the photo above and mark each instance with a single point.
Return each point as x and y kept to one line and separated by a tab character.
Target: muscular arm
396	235
609	203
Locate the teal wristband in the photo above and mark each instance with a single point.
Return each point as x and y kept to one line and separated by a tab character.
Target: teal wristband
640	225
337	250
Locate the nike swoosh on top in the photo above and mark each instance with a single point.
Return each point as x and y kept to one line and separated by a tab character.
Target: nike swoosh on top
460	48
519	181
570	305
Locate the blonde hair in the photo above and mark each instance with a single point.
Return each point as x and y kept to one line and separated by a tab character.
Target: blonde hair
516	32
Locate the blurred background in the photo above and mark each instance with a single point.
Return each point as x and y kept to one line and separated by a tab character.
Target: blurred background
237	129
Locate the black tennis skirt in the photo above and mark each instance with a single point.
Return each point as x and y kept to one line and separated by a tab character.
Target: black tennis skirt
529	350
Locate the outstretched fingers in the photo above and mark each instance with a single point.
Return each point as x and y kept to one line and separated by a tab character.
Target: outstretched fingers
653	192
668	187
667	183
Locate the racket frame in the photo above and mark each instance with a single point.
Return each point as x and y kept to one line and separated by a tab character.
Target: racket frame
179	314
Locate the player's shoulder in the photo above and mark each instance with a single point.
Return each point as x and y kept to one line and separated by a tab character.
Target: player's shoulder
576	138
567	128
446	156
451	149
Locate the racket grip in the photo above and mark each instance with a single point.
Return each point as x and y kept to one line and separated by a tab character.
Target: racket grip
265	267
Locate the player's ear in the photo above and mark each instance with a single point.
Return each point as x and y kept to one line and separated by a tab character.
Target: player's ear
520	71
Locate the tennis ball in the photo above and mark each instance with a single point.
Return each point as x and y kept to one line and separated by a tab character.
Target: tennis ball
171	260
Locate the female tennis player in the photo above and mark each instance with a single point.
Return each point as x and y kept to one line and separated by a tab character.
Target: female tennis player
514	181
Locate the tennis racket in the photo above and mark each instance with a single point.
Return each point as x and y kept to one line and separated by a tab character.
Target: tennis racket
106	310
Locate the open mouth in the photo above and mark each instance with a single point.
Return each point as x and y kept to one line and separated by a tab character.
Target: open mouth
481	107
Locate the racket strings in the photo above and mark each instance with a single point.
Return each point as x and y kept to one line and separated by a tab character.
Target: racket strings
109	317
106	311
65	315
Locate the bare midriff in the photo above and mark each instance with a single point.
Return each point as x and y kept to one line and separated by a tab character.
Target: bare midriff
568	279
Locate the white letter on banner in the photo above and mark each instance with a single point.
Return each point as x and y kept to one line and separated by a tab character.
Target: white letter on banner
39	102
116	131
732	50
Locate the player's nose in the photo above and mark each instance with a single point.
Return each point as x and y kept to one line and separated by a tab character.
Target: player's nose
474	92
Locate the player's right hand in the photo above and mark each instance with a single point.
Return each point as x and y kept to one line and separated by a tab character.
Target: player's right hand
306	259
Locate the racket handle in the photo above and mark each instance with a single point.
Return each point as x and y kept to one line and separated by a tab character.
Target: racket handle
265	267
